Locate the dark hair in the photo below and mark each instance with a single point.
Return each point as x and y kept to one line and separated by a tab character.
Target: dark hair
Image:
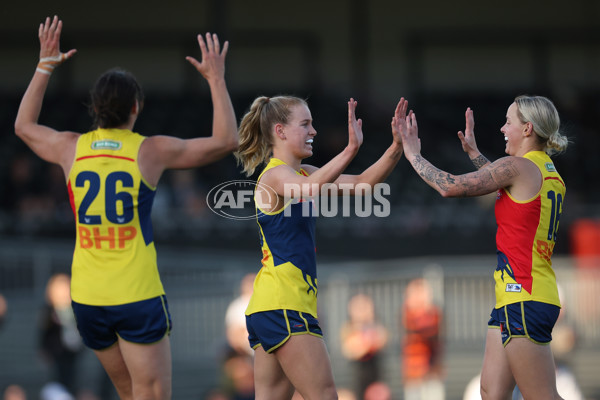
113	96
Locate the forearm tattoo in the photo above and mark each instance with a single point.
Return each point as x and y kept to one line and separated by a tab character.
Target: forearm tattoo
432	175
480	161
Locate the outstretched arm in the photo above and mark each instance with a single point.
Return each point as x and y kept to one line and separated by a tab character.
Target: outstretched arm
47	143
167	152
469	145
502	173
224	138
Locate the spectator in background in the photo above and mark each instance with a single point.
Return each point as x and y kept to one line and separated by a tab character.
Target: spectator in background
362	339
14	392
378	391
239	357
346	394
59	341
421	323
239	371
235	318
55	391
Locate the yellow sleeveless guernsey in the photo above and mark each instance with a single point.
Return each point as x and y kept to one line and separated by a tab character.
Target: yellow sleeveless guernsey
114	261
526	237
288	277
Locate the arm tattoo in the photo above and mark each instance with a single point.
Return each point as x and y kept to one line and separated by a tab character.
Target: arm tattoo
473	184
480	161
476	183
504	172
432	175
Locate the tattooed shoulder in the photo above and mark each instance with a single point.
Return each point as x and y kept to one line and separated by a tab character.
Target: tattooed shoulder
504	171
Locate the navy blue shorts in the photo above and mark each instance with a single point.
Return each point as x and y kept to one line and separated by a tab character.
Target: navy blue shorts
528	319
146	321
271	329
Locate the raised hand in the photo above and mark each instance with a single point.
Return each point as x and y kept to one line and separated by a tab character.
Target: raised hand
212	66
399	113
355	134
409	131
467	139
50	54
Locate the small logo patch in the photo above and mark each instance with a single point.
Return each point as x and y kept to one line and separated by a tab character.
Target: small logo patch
550	167
106	145
513	287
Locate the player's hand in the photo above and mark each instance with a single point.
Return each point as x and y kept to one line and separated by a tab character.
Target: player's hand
355	134
467	139
399	113
50	54
406	125
212	66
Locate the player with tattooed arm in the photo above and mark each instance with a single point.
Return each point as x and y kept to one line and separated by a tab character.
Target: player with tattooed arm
530	195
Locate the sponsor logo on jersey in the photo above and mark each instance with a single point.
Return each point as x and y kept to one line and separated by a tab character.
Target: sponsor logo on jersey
550	167
106	145
513	287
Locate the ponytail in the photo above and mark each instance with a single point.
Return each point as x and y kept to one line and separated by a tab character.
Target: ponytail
256	140
542	114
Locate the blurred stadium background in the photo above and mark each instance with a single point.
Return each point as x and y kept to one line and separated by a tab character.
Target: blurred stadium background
442	56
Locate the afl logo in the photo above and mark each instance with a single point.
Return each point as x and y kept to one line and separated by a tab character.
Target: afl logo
235	199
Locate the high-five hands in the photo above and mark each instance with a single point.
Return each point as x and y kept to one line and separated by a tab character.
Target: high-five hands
405	126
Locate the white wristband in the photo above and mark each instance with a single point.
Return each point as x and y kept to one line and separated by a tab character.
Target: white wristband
43	71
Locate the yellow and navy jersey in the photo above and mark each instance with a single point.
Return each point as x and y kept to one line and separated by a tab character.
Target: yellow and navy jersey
526	237
288	277
114	261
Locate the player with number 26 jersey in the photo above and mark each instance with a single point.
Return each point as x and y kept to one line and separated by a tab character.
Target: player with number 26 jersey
114	260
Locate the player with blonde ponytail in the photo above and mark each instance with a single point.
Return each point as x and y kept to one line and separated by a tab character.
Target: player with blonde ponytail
277	133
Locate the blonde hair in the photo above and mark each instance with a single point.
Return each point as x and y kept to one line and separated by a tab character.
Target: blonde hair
256	140
542	114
